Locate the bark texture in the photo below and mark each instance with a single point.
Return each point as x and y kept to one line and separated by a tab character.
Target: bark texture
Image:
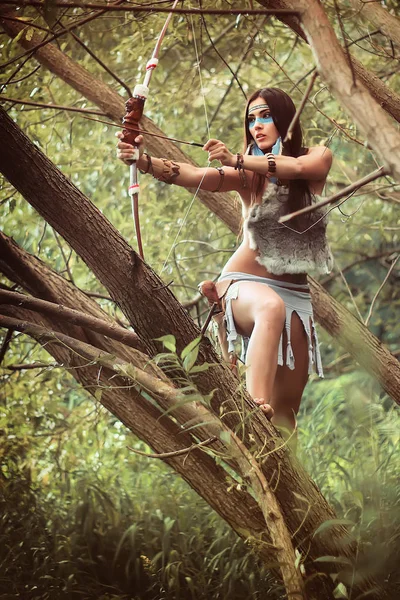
379	17
143	419
151	425
127	278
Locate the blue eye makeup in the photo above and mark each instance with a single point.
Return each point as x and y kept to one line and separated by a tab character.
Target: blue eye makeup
261	120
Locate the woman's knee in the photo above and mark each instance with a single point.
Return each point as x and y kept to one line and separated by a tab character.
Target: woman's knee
271	308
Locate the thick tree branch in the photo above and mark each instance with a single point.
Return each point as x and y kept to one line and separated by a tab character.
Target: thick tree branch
153	311
129	280
380	18
87	111
152	9
162	434
5	344
347	191
58	311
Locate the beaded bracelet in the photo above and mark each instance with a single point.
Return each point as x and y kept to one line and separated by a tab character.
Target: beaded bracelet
271	163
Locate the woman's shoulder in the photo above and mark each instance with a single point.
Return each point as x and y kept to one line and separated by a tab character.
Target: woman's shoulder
320	151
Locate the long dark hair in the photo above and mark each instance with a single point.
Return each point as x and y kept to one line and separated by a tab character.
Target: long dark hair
282	112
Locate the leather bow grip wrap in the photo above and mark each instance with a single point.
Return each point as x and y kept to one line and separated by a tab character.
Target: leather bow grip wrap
134	111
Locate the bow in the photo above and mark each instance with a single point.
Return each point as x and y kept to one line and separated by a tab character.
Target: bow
134	111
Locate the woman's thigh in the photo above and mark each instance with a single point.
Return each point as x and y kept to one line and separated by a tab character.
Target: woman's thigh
256	300
289	384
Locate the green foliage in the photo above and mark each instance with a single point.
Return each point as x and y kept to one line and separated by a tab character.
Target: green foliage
85	517
349	442
81	516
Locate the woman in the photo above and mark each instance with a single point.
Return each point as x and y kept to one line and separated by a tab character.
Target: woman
268	302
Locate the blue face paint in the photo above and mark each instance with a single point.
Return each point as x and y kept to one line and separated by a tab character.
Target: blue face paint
261	120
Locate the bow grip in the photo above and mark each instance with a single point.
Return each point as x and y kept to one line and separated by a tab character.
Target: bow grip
134	110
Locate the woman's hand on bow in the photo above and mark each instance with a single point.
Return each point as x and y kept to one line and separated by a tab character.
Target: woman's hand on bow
127	152
218	151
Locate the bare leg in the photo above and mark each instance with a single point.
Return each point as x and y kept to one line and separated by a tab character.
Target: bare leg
259	312
289	384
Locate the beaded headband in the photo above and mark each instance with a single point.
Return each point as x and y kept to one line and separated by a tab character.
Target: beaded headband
257	107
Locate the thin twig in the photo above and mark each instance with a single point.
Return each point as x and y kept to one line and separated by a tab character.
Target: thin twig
66	261
235	75
379	290
301	107
339	16
351	295
24	77
51	38
111	330
211	313
164	455
90	111
25	23
5	344
19	67
360	261
321	112
163	137
28	366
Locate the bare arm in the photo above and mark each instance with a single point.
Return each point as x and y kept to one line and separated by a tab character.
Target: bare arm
313	166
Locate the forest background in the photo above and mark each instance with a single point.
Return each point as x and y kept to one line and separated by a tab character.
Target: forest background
82	516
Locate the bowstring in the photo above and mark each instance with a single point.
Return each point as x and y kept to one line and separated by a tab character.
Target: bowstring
185	218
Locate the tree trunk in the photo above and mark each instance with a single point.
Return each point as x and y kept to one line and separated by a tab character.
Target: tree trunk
162	434
237	507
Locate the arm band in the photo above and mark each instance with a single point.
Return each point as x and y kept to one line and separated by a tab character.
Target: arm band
221	178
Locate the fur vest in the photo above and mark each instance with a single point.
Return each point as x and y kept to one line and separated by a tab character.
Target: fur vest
282	249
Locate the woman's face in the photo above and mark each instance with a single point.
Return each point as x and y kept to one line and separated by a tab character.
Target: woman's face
261	125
